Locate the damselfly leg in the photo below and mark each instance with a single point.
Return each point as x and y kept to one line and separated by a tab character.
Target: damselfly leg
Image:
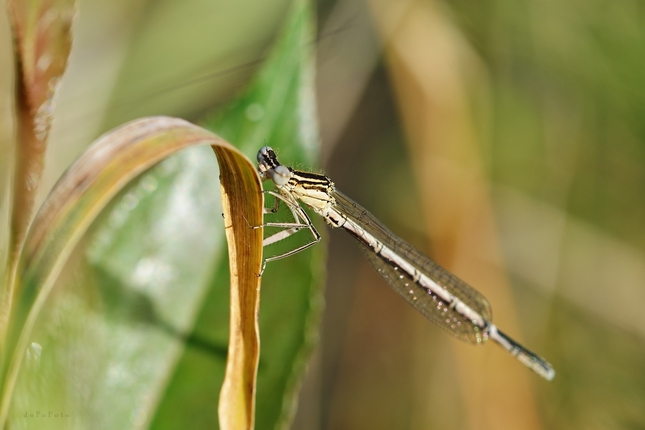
301	222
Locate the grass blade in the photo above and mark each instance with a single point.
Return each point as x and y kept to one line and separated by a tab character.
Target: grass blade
78	198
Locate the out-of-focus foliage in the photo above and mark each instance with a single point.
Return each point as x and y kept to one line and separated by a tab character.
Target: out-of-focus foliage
553	103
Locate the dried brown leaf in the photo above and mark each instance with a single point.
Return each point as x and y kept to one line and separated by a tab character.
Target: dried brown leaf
42	42
236	407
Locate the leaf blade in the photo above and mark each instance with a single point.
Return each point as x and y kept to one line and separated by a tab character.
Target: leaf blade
71	208
237	398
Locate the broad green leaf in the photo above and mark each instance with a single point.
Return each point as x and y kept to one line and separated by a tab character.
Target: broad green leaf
99	335
278	109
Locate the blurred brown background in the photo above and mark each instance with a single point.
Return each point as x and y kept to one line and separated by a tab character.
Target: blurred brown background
504	138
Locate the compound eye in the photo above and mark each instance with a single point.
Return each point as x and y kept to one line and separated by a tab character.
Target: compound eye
263	153
280	175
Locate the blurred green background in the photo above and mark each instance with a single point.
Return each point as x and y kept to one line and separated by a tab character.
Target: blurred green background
549	96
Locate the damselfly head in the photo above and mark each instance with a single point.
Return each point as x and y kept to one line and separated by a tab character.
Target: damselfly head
267	160
270	168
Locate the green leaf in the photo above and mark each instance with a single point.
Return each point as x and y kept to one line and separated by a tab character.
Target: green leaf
278	110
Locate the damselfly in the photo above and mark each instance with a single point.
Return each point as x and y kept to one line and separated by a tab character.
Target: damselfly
438	294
